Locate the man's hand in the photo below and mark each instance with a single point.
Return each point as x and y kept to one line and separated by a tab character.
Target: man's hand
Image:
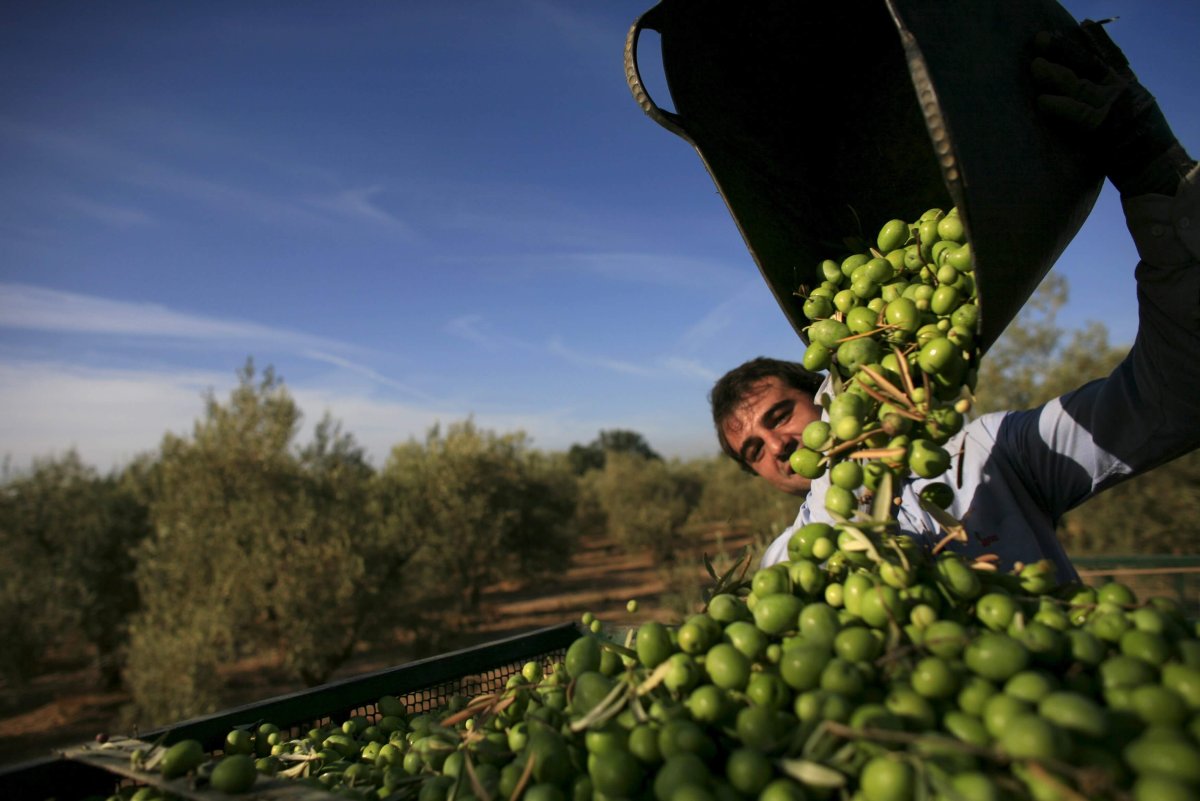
1088	87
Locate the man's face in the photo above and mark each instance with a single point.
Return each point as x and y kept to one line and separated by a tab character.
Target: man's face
766	427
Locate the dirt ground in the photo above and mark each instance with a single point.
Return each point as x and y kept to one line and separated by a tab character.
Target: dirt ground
64	706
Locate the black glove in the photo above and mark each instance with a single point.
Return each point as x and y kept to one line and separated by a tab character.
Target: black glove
1089	88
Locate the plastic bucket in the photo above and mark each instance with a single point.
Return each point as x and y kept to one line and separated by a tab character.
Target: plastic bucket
822	121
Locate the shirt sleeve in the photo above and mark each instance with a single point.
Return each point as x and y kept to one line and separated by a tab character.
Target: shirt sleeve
1147	411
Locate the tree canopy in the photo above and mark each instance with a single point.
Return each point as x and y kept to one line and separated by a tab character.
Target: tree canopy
593	455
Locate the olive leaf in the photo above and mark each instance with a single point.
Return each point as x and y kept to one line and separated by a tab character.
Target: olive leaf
813	774
608	708
881	508
726	583
820	744
955	531
857	541
654	679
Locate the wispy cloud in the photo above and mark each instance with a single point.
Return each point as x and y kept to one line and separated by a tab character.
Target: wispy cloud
558	348
473	328
374	375
470	327
579	29
665	366
476	329
711	325
33	308
360	205
228	197
750	299
652	268
266	190
689	368
111	214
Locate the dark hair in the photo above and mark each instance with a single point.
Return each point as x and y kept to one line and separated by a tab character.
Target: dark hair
732	389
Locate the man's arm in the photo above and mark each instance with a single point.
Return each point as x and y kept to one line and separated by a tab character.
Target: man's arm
1148	411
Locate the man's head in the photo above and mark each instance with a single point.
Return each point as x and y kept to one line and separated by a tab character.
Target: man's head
760	410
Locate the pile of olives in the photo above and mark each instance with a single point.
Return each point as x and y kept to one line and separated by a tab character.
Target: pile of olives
896	326
884	672
870	666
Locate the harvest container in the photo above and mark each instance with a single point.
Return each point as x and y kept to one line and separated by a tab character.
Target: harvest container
423	685
822	120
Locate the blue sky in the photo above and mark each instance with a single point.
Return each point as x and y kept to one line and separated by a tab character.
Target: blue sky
415	211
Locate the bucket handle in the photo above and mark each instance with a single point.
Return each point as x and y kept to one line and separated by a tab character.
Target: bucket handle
672	122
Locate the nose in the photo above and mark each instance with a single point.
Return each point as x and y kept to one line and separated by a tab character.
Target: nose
779	444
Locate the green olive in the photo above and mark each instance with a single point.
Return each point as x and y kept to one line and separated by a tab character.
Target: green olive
807	463
854	353
939	494
817	357
828	332
966	316
845	300
840	501
960	258
853	262
847	474
817	435
894	234
818	307
940	356
879	270
902	313
864	287
861	320
928	459
951	227
945	299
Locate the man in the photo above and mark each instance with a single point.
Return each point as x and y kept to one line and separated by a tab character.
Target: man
764	406
1016	473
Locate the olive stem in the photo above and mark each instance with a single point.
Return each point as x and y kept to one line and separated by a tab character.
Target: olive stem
905	375
887	386
526	774
900	552
480	791
864	334
479	705
879	396
877	453
883	398
850	443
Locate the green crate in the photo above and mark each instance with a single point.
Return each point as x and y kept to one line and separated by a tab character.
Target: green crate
1148	575
423	685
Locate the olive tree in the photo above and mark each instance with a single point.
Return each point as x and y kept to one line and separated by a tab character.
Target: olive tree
483	507
1035	359
66	565
592	456
641	502
260	547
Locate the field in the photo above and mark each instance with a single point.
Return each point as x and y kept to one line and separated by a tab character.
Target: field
64	707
